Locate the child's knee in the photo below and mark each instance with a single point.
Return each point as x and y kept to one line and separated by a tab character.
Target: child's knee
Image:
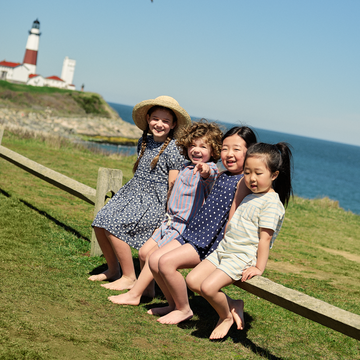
192	283
165	265
142	254
154	263
206	289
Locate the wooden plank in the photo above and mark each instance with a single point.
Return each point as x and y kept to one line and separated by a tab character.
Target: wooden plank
61	181
304	305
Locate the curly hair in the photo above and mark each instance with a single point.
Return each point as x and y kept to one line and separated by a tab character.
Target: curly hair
201	129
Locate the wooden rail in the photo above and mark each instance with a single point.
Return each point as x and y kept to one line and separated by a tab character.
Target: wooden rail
61	181
304	305
109	180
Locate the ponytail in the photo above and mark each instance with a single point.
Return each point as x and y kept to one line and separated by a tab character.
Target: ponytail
282	184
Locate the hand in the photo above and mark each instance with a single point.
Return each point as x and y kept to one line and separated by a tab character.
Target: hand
251	272
203	169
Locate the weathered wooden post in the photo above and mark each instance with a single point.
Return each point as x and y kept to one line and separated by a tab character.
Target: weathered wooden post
1	133
108	180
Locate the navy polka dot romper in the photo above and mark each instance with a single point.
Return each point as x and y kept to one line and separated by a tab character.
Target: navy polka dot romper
139	206
206	229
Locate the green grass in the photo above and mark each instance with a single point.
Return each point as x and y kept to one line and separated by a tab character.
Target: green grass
59	101
48	309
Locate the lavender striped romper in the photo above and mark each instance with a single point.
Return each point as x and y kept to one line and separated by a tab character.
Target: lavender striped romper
187	196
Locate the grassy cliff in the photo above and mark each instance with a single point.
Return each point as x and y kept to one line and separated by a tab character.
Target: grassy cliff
48	310
60	102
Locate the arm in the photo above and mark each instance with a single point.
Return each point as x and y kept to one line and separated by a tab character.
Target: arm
241	192
262	255
172	177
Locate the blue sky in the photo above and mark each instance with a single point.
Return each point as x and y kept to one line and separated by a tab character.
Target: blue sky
288	66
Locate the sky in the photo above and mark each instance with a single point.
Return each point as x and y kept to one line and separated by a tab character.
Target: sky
287	66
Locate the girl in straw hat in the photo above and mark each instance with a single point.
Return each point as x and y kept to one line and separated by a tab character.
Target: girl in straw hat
132	215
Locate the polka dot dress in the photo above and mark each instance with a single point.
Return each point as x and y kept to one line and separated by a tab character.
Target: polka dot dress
206	229
139	206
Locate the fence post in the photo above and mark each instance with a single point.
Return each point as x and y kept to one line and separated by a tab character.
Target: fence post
108	180
1	133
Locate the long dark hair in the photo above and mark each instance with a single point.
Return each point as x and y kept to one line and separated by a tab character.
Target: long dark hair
277	157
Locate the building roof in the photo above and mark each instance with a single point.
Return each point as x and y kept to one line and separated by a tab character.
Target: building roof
54	77
9	64
33	75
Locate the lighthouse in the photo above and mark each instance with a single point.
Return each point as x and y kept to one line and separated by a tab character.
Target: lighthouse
32	47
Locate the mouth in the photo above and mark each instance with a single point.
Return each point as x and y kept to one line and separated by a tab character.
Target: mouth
230	162
196	158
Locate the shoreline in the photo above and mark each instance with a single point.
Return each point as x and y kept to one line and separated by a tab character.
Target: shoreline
89	128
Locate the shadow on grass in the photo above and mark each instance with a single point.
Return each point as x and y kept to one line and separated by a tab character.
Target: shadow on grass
57	222
207	319
3	192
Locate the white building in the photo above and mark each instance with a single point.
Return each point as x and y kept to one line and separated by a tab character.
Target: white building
68	69
25	73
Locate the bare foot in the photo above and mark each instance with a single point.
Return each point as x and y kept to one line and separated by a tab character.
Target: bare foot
175	317
106	275
125	299
237	311
161	311
222	328
124	283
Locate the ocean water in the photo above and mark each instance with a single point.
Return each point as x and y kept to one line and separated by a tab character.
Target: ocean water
321	168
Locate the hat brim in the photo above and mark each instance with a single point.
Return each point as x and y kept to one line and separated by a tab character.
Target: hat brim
141	109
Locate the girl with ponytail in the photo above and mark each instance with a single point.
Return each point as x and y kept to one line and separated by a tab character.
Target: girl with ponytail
251	232
132	215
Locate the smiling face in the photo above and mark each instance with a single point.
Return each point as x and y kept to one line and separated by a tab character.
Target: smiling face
160	123
199	151
233	153
258	177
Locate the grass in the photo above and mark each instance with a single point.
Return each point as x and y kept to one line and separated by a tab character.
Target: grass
48	310
54	101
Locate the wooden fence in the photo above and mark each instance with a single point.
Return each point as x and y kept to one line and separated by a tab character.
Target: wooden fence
110	180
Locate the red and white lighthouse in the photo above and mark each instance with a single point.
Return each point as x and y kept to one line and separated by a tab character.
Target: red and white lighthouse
32	47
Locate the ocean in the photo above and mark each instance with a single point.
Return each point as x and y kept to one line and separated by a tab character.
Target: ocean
320	166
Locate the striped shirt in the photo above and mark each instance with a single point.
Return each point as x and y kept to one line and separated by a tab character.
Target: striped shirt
242	235
190	191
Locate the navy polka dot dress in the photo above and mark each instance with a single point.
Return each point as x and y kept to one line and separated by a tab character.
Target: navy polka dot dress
139	206
206	229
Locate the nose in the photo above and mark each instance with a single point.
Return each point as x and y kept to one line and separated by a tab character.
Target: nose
230	153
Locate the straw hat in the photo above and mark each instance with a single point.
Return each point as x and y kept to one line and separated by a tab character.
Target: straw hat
140	110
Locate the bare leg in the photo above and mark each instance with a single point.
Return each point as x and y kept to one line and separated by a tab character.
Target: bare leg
113	271
123	253
197	275
133	296
154	267
237	311
144	253
184	257
227	309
